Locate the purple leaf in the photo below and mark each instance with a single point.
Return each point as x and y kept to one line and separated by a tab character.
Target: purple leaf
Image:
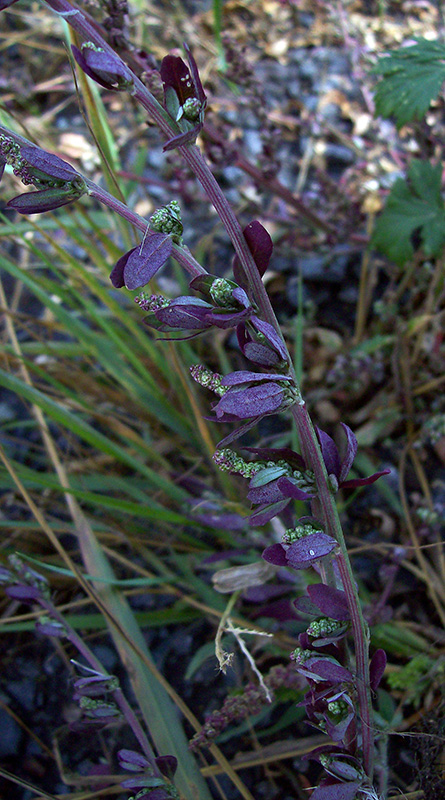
337	731
336	791
24	593
271	335
260	245
275	554
251	402
45	200
265	494
50	165
141	263
351	452
310	548
186	313
117	273
167	765
377	668
354	482
107	69
50	629
257	353
332	602
225	319
131	760
245	376
343	770
327	670
330	453
264	514
200	93
176	74
182	138
306	606
288	487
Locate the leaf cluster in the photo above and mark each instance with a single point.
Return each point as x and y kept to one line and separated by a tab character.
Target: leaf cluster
413	205
411	78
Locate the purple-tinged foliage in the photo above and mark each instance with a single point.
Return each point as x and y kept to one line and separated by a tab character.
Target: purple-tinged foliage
6	3
342	765
132	761
95	685
336	791
44	167
24	593
183	313
377	668
107	69
143	782
190	314
256	401
275	554
324	669
167	765
57	181
252	395
303	553
184	97
260	245
332	602
339	467
45	200
137	267
260	343
48	627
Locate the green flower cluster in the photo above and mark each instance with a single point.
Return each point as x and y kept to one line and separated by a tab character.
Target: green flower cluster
324	627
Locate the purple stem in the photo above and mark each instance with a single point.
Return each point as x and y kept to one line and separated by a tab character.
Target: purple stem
310	447
180	253
118	695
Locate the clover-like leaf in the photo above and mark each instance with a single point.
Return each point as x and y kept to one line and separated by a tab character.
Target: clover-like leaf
412	78
415	204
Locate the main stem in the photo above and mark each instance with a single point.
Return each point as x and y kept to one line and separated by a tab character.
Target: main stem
309	442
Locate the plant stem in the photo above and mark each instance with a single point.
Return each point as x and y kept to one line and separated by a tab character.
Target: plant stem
310	447
180	253
117	694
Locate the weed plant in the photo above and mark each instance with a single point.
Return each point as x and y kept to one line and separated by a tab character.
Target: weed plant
140	486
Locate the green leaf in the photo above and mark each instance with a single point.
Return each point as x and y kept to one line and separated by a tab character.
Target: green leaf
413	205
412	78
